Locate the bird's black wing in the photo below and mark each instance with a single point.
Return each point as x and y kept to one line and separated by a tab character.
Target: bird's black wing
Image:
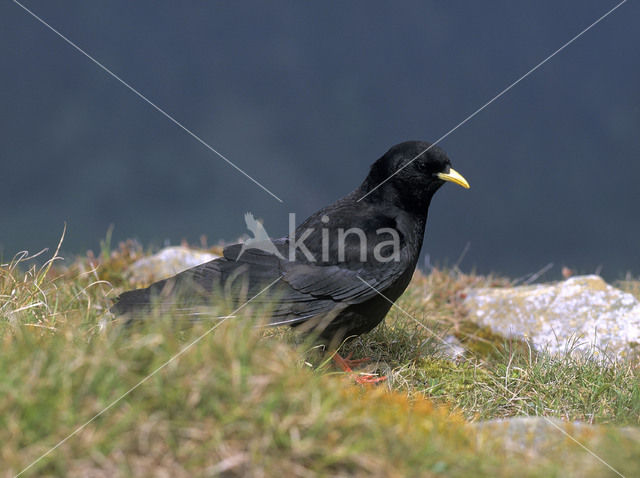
309	288
294	290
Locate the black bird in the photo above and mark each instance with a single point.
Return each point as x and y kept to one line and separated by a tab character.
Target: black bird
345	263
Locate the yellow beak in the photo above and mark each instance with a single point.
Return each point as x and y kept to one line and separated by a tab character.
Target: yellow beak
454	177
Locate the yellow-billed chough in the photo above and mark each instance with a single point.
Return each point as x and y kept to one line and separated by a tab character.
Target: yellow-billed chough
344	265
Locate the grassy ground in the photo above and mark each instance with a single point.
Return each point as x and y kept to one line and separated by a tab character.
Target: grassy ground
246	401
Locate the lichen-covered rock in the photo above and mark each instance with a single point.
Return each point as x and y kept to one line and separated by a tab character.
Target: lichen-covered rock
578	446
582	313
533	435
167	262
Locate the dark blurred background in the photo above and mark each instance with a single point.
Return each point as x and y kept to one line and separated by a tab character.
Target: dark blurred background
304	96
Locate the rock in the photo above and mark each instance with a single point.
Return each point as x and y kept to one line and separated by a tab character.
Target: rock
542	439
452	348
583	313
531	435
166	263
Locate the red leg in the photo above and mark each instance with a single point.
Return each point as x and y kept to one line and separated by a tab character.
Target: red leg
351	362
345	364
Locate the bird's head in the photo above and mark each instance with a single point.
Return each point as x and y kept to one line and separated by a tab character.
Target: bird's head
410	173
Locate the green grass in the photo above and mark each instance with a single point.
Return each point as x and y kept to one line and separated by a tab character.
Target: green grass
246	401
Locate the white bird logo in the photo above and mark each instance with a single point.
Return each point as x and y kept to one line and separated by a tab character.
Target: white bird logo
260	239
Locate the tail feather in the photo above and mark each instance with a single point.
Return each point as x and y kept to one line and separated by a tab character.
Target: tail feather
132	301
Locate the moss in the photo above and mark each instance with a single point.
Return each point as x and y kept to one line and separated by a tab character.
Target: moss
484	344
446	379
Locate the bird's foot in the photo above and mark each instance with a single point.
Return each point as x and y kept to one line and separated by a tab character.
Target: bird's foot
369	378
346	364
353	362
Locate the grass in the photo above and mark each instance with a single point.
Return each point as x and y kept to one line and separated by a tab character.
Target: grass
246	401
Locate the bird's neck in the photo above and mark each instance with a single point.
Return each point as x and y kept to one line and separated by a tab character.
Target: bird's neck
413	202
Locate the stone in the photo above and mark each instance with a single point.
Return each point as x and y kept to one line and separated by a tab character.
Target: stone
582	313
166	263
451	348
577	448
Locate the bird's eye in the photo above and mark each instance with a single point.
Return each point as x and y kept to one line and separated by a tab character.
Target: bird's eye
422	166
